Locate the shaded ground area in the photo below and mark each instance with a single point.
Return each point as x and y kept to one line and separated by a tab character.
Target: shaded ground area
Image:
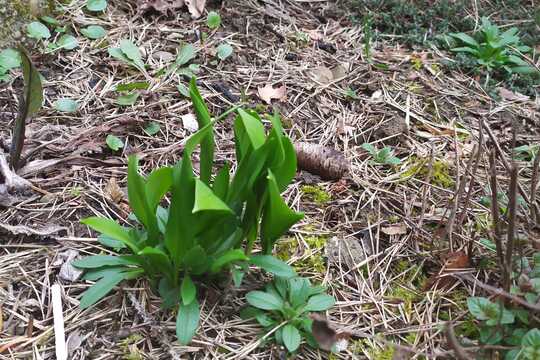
377	238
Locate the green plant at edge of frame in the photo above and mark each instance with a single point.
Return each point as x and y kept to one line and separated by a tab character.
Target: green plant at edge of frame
211	224
494	50
383	156
287	302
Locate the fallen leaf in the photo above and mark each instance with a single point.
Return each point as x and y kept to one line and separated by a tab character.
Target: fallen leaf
349	251
161	6
12	186
196	7
74	342
453	261
164	56
189	121
268	92
67	271
45	231
377	96
113	191
314	34
398	229
322	75
511	96
339	71
327	336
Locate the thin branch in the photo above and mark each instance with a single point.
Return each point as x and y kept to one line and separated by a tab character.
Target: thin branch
495	209
453	342
512	209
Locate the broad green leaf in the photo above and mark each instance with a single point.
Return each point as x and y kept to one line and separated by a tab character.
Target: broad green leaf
254	129
466	39
298	291
96	5
206	200
152	128
183	89
119	55
524	70
10	59
29	105
98	273
168	293
272	265
94	32
320	302
49	20
185	55
286	171
137	85
490	335
110	242
37	30
112	229
101	288
180	233
237	276
277	217
213	20
97	261
207	143
132	52
466	50
68	42
263	300
138	200
66	105
230	256
187	322
291	337
196	260
128	99
188	291
531	338
157	184
224	51
221	183
158	260
114	142
481	308
282	286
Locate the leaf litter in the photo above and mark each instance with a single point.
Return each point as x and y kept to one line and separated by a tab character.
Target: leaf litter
70	162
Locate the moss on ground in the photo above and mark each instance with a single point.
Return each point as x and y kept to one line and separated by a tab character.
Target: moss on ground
314	262
317	194
440	175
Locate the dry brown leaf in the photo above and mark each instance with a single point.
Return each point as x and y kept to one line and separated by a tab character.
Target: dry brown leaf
189	121
196	7
322	75
511	96
113	191
314	34
327	336
397	229
161	6
339	71
454	261
348	251
268	93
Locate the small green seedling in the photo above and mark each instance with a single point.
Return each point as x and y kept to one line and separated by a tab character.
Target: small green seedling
96	5
526	152
114	142
286	304
224	51
213	220
9	59
128	53
383	156
213	20
494	50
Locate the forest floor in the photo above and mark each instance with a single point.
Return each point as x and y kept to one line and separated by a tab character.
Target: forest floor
384	238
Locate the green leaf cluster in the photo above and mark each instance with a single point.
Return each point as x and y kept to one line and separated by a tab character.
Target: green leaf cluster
9	59
128	53
494	50
212	222
510	325
286	304
384	156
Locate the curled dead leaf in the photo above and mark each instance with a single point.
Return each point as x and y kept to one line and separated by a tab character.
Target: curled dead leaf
322	75
268	93
454	261
113	191
196	7
327	336
161	6
397	229
506	94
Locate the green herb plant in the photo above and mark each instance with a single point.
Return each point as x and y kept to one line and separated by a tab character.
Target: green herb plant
494	50
9	59
384	156
284	306
211	226
510	325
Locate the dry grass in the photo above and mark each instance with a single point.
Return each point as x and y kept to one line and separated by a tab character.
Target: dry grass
423	114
